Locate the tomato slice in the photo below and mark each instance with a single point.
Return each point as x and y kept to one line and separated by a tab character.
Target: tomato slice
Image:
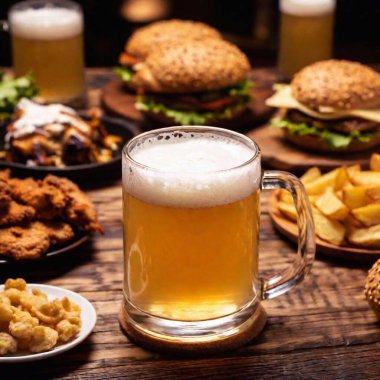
128	59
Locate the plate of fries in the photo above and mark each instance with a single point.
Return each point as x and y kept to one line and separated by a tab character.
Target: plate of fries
346	208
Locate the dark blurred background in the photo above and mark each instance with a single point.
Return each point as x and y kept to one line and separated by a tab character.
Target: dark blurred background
252	24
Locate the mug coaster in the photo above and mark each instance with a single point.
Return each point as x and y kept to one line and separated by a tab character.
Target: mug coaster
254	327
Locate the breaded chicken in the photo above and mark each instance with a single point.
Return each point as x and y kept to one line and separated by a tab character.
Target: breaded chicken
5	174
59	232
5	196
15	213
48	201
79	210
23	242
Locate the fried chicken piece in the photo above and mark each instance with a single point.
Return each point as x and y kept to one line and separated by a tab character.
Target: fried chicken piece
48	201
15	213
5	196
24	242
59	232
5	174
79	210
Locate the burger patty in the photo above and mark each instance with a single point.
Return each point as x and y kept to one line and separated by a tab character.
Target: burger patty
341	125
189	102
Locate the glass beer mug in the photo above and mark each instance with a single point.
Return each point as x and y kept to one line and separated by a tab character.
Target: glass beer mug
191	201
47	41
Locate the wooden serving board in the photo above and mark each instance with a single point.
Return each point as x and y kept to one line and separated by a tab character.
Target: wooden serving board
290	231
118	101
279	154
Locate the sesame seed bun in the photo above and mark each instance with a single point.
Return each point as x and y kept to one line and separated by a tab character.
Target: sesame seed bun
316	144
146	39
192	66
338	84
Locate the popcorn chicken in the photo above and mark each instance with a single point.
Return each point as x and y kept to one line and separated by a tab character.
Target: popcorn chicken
30	321
8	344
43	339
67	330
17	283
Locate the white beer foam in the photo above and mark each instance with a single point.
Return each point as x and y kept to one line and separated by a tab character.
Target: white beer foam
188	169
46	23
307	7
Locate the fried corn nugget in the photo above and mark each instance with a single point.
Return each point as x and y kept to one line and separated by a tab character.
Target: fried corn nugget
67	330
4	299
15	213
6	312
59	232
43	339
8	344
18	283
48	312
22	324
79	210
13	295
23	242
29	300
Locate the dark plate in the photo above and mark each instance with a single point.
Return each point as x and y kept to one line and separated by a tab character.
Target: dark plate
78	239
86	172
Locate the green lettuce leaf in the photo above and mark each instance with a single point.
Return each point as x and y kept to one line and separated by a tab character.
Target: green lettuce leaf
188	117
12	90
125	73
334	140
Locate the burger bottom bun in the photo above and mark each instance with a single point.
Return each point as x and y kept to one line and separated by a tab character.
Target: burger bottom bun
316	144
235	122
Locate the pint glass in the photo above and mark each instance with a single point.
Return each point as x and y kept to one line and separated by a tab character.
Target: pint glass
47	40
191	201
306	33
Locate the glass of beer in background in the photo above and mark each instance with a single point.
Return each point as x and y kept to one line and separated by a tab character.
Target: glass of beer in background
47	40
191	200
306	33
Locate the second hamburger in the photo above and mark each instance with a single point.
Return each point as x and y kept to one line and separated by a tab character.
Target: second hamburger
193	83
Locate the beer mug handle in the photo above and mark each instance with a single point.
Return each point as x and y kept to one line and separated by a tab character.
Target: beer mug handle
282	282
4	26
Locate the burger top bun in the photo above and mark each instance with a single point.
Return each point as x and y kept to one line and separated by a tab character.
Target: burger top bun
192	66
146	39
338	84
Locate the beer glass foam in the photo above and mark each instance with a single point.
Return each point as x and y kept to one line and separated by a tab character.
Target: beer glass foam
307	7
46	23
196	170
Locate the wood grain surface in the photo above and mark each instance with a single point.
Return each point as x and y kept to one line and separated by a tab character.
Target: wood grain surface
323	329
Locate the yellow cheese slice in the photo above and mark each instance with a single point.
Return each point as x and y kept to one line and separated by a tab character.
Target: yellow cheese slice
283	98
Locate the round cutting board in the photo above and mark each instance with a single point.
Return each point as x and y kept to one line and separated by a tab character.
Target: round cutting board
118	101
290	230
277	153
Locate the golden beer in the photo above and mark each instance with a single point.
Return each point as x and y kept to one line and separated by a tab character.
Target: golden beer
48	42
190	235
306	34
191	263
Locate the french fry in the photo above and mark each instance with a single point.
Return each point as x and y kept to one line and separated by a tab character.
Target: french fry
354	168
331	206
341	179
285	196
319	185
374	193
327	229
369	215
288	210
355	197
365	237
310	175
364	178
374	163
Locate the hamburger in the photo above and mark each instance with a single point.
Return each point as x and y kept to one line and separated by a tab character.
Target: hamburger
149	38
330	106
193	83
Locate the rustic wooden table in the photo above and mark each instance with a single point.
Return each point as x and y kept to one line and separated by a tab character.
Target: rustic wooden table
323	329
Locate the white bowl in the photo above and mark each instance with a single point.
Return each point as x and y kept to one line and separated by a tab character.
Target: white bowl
88	316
